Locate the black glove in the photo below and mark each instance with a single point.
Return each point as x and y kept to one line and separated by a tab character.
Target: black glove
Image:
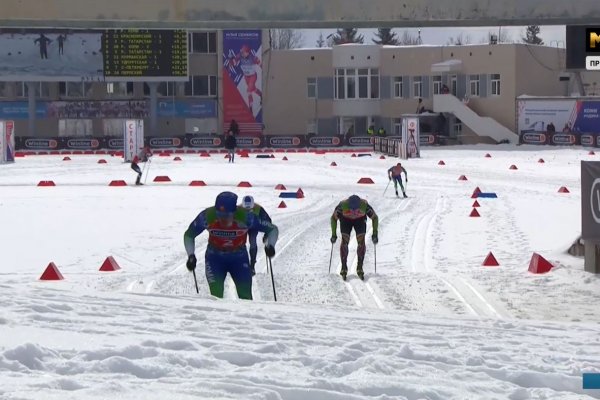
390	177
374	238
270	251
191	262
333	239
406	180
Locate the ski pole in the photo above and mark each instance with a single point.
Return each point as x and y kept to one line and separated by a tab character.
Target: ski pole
330	257
386	188
195	281
149	162
272	279
375	253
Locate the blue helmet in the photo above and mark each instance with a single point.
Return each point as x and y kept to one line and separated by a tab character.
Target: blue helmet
226	203
248	202
354	202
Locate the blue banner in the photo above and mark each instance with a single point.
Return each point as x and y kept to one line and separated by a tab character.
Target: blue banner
20	110
187	108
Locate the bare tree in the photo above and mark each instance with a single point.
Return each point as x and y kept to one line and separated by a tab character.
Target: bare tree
282	39
459	40
409	39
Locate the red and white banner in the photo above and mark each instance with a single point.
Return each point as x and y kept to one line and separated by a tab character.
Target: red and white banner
134	138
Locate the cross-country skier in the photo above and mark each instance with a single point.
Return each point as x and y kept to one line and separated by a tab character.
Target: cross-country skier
143	156
395	173
260	213
353	213
227	226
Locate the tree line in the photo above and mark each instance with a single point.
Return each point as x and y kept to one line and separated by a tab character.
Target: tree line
281	39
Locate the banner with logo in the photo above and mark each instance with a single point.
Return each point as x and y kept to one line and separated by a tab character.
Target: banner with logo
242	80
590	200
187	108
324	141
411	140
558	115
20	110
133	138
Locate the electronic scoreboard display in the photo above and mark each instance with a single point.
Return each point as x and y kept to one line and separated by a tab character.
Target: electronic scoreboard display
145	54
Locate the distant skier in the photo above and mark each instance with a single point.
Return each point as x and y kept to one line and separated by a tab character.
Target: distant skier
395	173
44	42
353	213
61	42
230	144
228	226
143	156
260	213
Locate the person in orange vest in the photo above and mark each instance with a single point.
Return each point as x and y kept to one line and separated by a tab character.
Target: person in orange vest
395	173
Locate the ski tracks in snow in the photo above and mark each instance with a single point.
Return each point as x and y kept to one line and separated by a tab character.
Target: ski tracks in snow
422	260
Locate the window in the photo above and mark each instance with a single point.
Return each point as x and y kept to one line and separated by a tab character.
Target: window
398	87
495	82
201	85
351	126
42	89
3	89
75	127
202	42
311	85
167	89
473	85
311	127
116	89
362	83
397	125
74	89
418	87
457	127
437	84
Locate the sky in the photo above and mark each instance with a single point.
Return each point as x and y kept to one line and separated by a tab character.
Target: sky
552	35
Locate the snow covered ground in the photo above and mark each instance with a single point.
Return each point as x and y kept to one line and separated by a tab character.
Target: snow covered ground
432	323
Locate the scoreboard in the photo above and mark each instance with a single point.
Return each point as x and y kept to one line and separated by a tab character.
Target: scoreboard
145	54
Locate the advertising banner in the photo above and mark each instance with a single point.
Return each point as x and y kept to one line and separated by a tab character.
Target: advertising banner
205	141
284	142
242	80
324	141
187	109
590	200
359	141
133	138
564	115
20	110
411	137
9	134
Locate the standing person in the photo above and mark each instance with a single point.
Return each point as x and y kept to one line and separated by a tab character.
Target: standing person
61	42
353	213
234	127
142	156
260	213
230	143
44	42
228	226
395	173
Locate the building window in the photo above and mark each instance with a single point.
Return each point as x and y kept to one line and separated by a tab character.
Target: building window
311	86
473	85
495	82
167	89
437	84
362	83
418	87
202	42
116	89
74	89
42	89
398	93
397	126
457	127
201	85
311	127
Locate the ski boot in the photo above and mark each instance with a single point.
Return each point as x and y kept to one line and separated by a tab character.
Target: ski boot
344	272
397	194
405	196
360	272
252	270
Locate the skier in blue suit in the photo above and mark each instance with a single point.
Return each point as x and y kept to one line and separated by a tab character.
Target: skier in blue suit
228	226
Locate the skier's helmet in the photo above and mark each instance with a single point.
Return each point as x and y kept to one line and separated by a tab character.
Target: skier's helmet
226	204
248	202
354	202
